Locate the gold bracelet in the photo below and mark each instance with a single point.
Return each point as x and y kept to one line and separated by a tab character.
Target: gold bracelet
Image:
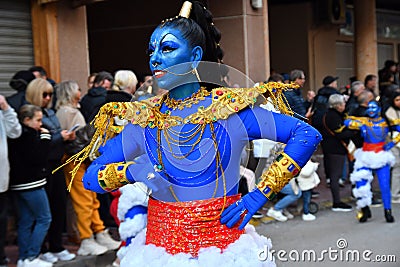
113	176
282	170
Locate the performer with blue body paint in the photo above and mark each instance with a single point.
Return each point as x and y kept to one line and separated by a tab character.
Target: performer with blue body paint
186	147
374	156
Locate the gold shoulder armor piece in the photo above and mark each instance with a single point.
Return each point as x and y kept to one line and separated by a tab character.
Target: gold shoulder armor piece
226	101
394	122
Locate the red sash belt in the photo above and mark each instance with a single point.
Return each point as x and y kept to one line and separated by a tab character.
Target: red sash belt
184	227
373	147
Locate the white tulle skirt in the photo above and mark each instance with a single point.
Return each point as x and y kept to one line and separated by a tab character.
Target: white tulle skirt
249	250
366	161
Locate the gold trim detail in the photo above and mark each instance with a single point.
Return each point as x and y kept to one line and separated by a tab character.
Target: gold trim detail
225	102
282	170
394	122
113	176
357	122
187	102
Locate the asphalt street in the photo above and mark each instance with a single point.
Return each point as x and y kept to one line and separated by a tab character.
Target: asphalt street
336	239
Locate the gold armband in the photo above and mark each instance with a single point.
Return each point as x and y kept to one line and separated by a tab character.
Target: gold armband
354	125
282	170
113	176
394	122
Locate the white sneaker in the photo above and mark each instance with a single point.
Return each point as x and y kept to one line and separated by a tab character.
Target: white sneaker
104	239
287	214
20	263
37	263
90	247
49	257
257	215
64	255
277	215
308	217
396	200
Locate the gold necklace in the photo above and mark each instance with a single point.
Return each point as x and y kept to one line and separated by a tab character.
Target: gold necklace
218	167
176	142
181	137
186	102
381	125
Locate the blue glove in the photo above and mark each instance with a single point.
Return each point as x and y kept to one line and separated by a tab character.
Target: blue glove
388	146
249	204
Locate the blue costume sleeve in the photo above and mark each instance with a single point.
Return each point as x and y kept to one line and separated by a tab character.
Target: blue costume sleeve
300	138
395	128
124	147
393	142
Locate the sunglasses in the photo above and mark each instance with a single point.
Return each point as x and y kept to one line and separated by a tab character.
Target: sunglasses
46	94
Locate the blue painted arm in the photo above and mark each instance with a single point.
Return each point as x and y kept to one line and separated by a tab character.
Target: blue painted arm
301	141
119	157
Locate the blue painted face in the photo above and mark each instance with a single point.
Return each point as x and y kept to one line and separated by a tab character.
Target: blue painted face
373	109
167	49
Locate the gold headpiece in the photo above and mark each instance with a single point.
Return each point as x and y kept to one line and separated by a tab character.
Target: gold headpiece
185	12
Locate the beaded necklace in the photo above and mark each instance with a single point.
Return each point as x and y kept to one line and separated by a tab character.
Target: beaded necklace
188	101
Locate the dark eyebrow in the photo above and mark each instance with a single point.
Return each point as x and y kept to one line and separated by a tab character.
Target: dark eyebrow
171	44
164	37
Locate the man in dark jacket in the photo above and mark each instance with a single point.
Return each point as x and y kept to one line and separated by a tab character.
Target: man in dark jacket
96	96
320	105
295	98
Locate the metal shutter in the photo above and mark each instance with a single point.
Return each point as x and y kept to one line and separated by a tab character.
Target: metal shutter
16	48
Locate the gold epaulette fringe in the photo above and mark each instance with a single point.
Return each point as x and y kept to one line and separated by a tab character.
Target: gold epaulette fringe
274	91
104	130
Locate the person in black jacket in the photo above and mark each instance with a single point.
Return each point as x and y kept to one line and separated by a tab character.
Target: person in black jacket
28	158
320	104
19	82
357	87
334	146
96	96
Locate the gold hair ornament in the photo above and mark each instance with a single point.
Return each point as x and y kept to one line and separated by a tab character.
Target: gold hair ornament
185	10
184	13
